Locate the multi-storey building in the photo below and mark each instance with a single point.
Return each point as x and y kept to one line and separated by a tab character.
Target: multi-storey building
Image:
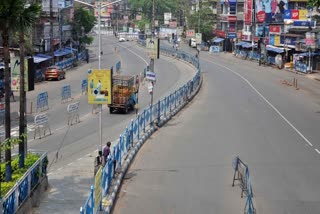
62	15
229	23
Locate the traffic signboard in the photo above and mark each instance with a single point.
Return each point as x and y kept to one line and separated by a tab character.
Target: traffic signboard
151	76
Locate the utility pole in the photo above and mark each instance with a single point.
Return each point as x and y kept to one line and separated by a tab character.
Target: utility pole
51	30
152	34
199	16
253	24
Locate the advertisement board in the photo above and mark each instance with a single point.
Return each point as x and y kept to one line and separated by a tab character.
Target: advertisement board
106	9
247	12
190	33
273	10
167	17
99	86
15	74
138	17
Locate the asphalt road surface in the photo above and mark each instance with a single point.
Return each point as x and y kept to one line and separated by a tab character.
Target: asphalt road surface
242	110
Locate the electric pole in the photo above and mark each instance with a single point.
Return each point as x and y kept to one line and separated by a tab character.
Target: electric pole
51	30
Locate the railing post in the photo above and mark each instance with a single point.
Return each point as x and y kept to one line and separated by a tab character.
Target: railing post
138	126
159	106
144	121
131	133
165	106
175	99
151	114
92	198
170	102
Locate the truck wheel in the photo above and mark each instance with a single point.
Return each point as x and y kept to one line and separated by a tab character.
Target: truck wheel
126	110
111	110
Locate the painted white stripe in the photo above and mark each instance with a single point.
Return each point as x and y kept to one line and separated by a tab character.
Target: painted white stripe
267	101
135	54
317	151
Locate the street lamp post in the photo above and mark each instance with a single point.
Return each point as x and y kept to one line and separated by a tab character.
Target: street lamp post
99	56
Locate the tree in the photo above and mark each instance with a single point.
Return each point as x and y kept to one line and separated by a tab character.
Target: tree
315	4
9	10
161	7
28	16
15	16
206	22
84	21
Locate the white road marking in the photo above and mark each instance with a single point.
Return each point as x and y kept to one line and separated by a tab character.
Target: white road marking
317	151
267	101
134	54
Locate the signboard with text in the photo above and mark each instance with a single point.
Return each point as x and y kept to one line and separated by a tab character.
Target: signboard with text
198	38
152	47
190	33
15	74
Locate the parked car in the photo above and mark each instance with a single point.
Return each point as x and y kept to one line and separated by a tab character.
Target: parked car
122	39
54	72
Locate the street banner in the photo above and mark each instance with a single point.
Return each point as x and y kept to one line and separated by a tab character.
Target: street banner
99	86
152	47
15	74
198	38
247	12
97	190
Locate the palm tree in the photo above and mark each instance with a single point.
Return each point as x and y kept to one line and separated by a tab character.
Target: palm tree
25	21
9	10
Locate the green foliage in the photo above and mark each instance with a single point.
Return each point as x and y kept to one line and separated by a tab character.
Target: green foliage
161	6
83	20
17	172
142	23
207	20
315	3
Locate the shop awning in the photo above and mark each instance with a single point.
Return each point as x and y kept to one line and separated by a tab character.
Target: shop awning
274	49
311	54
248	45
72	49
62	52
40	58
240	43
218	40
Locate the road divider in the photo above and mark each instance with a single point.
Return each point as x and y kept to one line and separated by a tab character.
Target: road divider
66	94
42	102
41	122
73	113
139	130
241	174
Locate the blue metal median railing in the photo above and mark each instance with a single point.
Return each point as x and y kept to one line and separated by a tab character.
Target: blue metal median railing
22	189
139	127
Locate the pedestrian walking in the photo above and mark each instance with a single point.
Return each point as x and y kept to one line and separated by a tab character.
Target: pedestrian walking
87	56
12	95
106	152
